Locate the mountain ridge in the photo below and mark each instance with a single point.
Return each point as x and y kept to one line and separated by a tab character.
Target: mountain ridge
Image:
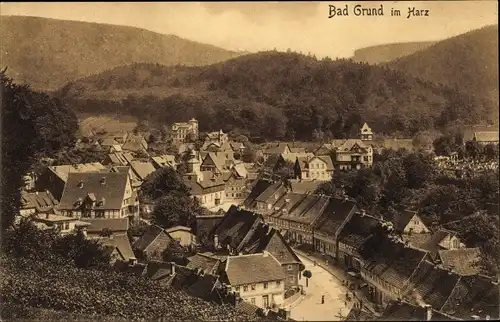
48	53
388	52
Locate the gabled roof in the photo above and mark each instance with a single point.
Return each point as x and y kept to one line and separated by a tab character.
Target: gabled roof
135	143
62	171
122	243
115	225
349	144
464	261
258	188
366	130
486	136
107	187
269	239
235	225
292	157
401	220
142	169
207	263
286	203
253	268
241	170
336	213
213	159
277	148
473	295
41	201
158	270
149	236
209	180
109	142
431	285
276	189
120	158
164	161
308	209
391	261
404	311
358	229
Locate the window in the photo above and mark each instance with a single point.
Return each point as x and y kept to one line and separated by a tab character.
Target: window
291	279
289	267
237	288
253	287
66	225
265	285
245	288
278	283
252	300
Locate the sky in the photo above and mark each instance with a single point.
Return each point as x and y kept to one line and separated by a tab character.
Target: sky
300	26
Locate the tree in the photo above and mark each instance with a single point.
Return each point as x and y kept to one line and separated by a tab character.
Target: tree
473	149
163	181
491	151
175	253
33	125
176	209
307	274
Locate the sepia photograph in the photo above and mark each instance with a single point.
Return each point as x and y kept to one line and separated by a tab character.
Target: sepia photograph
249	161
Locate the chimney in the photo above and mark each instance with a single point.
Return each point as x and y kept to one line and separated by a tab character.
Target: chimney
103	180
428	311
216	241
132	261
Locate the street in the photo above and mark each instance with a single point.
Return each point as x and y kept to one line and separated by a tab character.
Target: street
309	307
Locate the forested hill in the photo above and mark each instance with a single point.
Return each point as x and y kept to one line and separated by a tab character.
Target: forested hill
276	95
48	53
468	61
388	52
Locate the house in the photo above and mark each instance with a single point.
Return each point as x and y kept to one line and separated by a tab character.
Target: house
180	131
236	183
65	225
258	278
99	227
37	203
120	247
265	238
206	186
486	137
182	234
53	178
264	202
234	230
276	150
324	149
318	168
431	285
135	144
142	169
160	272
473	298
164	161
98	195
358	229
365	133
353	154
217	162
118	158
299	220
463	261
205	263
388	267
135	181
217	137
152	243
330	225
442	239
408	222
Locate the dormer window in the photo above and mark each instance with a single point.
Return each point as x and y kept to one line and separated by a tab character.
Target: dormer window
80	184
103	180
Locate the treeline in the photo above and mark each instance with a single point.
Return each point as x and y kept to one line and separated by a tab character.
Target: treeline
277	96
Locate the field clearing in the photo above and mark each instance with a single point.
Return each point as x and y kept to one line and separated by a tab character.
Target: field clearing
111	123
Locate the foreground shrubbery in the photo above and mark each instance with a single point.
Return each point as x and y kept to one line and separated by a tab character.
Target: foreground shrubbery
70	275
39	284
